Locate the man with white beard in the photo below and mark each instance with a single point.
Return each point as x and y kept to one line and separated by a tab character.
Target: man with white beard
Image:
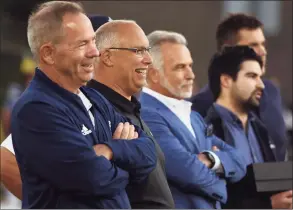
198	164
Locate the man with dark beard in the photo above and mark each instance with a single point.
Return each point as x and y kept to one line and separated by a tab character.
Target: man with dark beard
235	81
242	29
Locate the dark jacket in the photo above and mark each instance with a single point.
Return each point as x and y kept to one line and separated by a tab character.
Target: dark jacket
155	193
239	196
193	185
53	138
269	111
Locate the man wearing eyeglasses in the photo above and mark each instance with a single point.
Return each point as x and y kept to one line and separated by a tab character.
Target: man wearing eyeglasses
120	72
138	174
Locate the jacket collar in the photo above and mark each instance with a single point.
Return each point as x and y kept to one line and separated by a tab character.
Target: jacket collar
123	104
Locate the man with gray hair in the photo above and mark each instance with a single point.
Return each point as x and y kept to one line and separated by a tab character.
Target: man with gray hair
198	164
73	150
120	72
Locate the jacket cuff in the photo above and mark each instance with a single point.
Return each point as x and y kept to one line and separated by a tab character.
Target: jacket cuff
116	149
217	164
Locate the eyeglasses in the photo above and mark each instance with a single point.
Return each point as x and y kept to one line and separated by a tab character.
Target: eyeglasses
138	51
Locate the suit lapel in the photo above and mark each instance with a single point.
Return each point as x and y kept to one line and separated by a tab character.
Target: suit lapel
178	127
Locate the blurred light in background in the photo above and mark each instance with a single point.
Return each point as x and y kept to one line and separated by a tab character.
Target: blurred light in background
269	12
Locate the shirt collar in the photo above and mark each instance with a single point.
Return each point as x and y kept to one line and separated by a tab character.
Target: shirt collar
230	116
85	100
119	101
168	101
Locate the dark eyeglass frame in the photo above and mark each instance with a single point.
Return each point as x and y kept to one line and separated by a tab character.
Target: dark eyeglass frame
139	51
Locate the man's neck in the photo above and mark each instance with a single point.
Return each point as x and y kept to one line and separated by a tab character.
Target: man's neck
114	87
235	109
60	79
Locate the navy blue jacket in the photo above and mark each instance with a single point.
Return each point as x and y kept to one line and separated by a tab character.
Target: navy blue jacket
269	111
193	185
53	138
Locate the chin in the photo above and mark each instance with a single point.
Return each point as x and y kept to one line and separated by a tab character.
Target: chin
85	81
186	95
254	104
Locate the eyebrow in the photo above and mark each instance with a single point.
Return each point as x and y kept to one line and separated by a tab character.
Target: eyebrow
86	40
139	47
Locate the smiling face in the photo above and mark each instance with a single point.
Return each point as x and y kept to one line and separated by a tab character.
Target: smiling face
247	89
178	77
129	67
75	53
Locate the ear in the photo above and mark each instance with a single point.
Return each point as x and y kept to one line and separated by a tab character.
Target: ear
47	54
153	75
107	58
226	81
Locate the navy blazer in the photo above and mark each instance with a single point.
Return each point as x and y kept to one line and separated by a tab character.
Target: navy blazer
193	185
53	139
269	112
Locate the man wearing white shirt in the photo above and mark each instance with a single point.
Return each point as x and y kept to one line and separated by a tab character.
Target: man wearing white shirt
198	164
11	176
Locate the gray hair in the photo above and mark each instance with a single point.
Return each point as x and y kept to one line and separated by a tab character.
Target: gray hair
108	34
156	38
45	23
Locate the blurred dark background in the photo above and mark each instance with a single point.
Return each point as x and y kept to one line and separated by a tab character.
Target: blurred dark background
197	20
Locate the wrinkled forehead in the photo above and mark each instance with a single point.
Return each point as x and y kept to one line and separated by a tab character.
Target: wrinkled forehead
76	20
178	53
249	36
78	25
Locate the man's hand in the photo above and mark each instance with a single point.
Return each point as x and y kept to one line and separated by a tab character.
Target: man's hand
125	131
204	159
103	150
282	200
215	148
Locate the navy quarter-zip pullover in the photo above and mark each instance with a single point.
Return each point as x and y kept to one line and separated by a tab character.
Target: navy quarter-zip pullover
53	138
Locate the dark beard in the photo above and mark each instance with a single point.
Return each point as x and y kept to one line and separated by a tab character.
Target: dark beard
251	104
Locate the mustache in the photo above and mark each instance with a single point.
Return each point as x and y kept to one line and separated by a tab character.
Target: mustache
186	83
258	90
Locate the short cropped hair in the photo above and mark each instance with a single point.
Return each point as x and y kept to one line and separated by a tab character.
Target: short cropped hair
156	38
228	62
45	23
228	29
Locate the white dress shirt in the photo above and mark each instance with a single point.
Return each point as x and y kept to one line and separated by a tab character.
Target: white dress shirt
182	109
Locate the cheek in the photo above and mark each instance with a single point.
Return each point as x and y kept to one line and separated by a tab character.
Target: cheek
65	59
179	80
245	89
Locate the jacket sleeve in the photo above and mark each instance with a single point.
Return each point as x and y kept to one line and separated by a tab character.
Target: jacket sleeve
183	168
233	163
137	156
51	146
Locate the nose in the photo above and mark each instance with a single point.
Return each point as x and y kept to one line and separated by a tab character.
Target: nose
261	85
189	74
93	51
147	58
261	50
